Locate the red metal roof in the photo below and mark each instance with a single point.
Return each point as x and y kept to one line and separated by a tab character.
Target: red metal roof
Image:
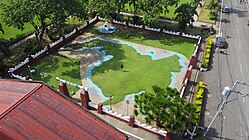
33	111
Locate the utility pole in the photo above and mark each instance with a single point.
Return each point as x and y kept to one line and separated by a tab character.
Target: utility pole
226	93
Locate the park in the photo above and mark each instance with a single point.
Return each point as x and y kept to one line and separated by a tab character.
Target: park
140	55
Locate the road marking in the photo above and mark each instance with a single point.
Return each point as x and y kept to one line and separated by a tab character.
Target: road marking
129	134
241	69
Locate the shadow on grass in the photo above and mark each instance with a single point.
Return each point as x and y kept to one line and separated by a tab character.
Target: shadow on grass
112	49
73	73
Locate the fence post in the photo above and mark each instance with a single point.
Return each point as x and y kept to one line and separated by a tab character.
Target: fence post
30	60
84	99
131	121
63	89
99	110
168	136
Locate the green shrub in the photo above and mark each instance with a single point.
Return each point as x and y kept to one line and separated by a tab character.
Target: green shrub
204	65
207	56
206	60
212	14
209	41
208	50
208	47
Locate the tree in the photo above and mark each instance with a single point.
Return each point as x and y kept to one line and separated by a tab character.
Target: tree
105	8
195	3
184	15
120	5
165	107
40	13
152	9
1	28
134	4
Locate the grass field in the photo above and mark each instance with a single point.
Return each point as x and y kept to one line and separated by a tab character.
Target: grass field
169	15
204	13
139	72
57	66
181	45
12	33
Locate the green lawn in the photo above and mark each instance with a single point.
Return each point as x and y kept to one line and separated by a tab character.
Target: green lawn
169	15
139	72
183	46
57	66
11	32
204	13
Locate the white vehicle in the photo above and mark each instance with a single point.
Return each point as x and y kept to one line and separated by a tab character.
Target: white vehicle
225	9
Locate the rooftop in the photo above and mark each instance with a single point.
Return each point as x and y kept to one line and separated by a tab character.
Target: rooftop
30	110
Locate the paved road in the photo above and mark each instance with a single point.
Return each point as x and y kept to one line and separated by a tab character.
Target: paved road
233	124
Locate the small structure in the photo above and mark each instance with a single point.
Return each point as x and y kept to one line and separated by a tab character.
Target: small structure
107	28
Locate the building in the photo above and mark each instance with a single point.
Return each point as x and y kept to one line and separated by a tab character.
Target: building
32	110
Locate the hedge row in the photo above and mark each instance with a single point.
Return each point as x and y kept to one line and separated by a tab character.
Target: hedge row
207	54
198	103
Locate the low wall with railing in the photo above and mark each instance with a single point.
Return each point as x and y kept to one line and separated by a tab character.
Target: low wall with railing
51	47
191	65
159	30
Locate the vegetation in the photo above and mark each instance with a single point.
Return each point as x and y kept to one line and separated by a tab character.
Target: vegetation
1	28
167	12
151	10
207	54
184	15
38	12
208	13
54	66
139	72
198	104
181	45
165	107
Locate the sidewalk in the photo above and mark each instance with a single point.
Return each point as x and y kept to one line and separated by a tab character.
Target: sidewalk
132	133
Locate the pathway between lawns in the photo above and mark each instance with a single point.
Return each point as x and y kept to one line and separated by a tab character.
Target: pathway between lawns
91	57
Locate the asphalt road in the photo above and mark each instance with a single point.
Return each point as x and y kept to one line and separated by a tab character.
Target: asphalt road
233	122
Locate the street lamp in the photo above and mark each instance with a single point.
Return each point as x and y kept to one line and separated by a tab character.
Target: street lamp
127	102
226	93
30	72
42	75
110	98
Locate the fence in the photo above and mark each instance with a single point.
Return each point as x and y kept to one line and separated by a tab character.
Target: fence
159	30
51	47
192	62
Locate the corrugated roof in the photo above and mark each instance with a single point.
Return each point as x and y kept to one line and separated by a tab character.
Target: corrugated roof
34	111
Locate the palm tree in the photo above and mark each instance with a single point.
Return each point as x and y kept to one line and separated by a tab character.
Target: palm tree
184	15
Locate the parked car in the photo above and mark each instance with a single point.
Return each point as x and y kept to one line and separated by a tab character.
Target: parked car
220	42
225	9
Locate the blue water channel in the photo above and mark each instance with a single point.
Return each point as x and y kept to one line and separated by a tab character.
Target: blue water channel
107	57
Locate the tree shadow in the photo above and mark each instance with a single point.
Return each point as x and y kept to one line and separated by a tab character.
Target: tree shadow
47	64
238	12
112	49
73	73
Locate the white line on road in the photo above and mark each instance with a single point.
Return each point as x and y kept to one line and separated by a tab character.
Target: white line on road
129	134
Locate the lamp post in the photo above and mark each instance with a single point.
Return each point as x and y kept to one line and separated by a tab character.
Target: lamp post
226	93
30	72
110	98
42	75
127	102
